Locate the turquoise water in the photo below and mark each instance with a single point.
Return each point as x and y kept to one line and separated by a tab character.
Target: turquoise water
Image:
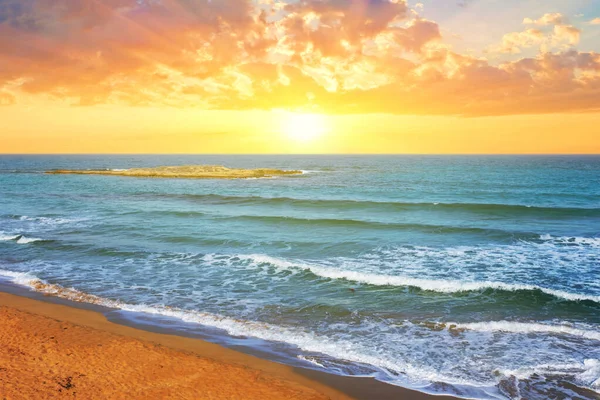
472	275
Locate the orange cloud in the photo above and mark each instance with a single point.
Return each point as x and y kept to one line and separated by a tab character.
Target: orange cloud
339	56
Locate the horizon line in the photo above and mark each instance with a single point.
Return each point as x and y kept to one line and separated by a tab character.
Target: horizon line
300	154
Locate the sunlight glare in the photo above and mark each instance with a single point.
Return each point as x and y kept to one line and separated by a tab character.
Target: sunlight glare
304	127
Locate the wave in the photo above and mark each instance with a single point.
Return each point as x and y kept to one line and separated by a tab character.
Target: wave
587	372
310	360
19	278
440	286
315	346
377	225
485	208
374	225
306	341
172	213
431	228
26	240
560	328
4	238
570	240
20	239
51	220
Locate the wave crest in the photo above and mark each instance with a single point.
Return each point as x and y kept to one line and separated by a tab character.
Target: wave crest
20	239
485	208
525	328
440	286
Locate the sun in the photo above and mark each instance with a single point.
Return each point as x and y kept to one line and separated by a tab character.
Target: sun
303	127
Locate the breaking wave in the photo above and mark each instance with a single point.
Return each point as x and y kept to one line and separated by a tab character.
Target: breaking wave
306	341
20	239
440	286
560	328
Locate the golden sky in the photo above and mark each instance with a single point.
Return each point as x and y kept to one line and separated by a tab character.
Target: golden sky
311	76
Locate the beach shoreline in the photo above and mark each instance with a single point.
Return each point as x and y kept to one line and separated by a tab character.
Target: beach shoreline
75	328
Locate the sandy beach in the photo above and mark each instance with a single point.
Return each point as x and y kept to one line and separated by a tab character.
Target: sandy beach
57	351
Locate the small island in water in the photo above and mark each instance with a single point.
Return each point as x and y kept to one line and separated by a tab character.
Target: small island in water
185	171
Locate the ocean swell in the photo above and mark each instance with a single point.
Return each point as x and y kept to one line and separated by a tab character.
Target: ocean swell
363	204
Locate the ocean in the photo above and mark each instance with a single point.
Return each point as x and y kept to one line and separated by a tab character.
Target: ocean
476	276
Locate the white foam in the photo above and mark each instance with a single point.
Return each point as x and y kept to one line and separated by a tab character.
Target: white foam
441	286
591	374
19	278
310	360
20	239
26	240
5	238
51	221
587	372
524	327
585	241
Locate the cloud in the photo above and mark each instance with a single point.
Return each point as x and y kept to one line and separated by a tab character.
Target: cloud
595	21
327	25
515	41
338	56
418	34
561	34
546	19
566	33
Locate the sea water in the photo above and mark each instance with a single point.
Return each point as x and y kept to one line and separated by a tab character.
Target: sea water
477	276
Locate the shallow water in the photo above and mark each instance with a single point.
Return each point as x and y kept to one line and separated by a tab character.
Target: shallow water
477	276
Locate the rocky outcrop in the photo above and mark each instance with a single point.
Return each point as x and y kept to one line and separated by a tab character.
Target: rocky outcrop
185	171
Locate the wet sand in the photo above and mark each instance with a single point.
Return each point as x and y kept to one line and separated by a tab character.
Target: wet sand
185	171
50	350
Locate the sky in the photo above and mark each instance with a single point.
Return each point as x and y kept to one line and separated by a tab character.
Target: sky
310	76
